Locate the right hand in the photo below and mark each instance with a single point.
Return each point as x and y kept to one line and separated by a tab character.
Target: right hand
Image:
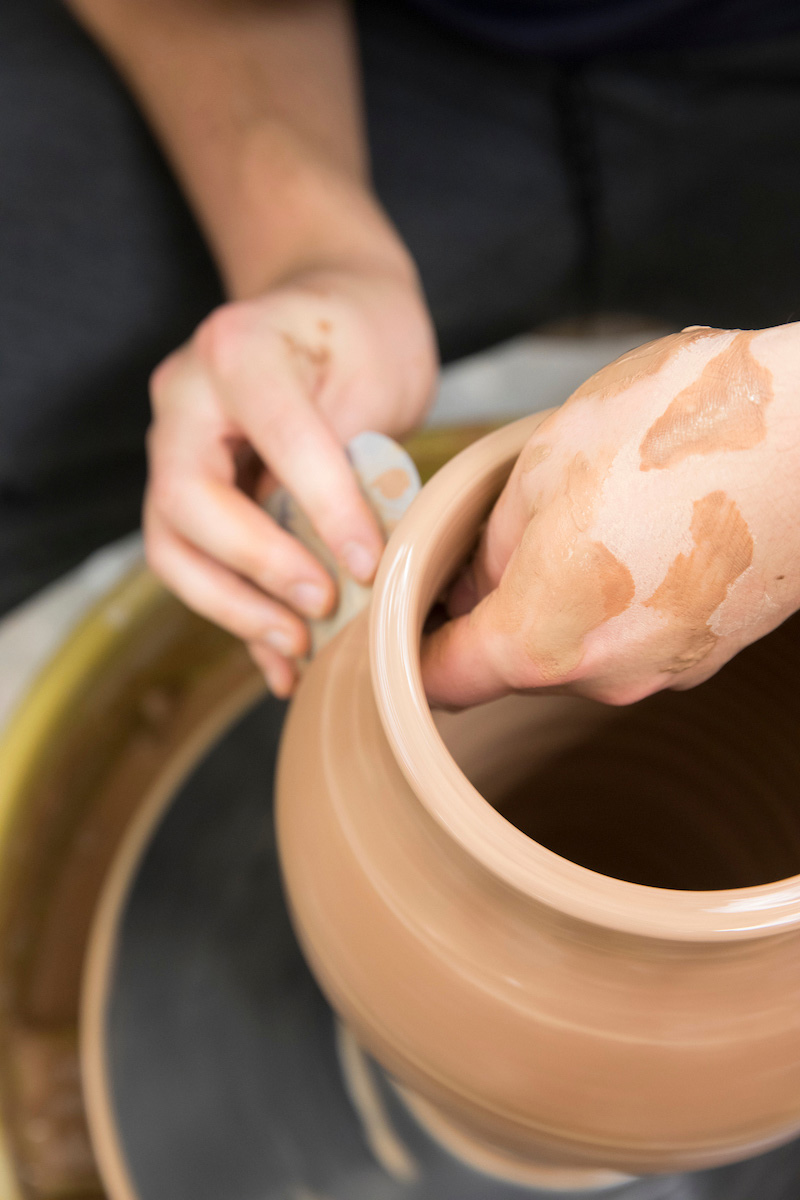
269	391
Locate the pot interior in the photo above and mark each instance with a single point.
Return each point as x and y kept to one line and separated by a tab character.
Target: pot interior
693	790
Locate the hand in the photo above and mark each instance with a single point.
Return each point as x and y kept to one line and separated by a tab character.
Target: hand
269	390
649	530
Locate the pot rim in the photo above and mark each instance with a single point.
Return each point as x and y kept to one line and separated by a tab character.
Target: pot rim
422	552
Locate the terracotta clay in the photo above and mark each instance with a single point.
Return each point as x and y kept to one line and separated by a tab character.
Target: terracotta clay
722	410
544	982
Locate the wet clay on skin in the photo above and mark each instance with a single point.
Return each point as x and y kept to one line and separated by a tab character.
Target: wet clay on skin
533	455
722	410
597	587
561	584
697	583
580	487
638	364
309	362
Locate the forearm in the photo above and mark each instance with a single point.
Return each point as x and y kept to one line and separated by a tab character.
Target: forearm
257	107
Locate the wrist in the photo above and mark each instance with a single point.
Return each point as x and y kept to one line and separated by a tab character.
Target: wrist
287	210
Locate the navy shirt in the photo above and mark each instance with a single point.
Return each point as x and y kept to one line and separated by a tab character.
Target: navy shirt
585	27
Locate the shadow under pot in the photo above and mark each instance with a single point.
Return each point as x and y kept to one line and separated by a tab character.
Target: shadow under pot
570	933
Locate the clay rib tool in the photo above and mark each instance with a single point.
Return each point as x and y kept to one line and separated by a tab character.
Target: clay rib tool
389	480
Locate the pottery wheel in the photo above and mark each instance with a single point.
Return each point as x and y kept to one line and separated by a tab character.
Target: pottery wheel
222	1052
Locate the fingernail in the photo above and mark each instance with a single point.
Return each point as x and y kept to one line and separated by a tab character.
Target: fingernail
310	598
361	562
281	641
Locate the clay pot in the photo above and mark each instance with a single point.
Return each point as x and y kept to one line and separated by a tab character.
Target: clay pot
610	978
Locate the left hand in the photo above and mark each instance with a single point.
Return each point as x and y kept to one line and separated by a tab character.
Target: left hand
649	530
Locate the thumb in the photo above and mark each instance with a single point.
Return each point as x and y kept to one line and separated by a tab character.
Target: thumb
467	660
462	661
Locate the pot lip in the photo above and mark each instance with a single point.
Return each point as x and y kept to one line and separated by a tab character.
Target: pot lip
397	614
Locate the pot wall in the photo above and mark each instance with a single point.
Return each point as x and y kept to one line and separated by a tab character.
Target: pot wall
541	1035
628	1027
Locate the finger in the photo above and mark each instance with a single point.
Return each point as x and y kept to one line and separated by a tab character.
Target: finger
230	528
193	486
462	662
280	674
218	594
303	452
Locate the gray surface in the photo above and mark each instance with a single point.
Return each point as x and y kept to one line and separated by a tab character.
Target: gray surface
528	374
221	1047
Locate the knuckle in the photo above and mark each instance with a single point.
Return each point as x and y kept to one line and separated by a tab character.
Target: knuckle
220	339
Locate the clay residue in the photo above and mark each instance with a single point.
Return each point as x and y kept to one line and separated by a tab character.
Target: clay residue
310	362
697	583
532	455
580	491
560	584
594	586
392	483
748	606
317	356
638	364
722	410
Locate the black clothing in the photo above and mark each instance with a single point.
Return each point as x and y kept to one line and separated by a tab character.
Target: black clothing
665	184
579	28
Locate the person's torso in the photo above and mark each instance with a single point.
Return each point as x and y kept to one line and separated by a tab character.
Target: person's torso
586	27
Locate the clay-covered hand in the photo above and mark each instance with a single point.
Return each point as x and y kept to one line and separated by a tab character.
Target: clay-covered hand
649	530
269	390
